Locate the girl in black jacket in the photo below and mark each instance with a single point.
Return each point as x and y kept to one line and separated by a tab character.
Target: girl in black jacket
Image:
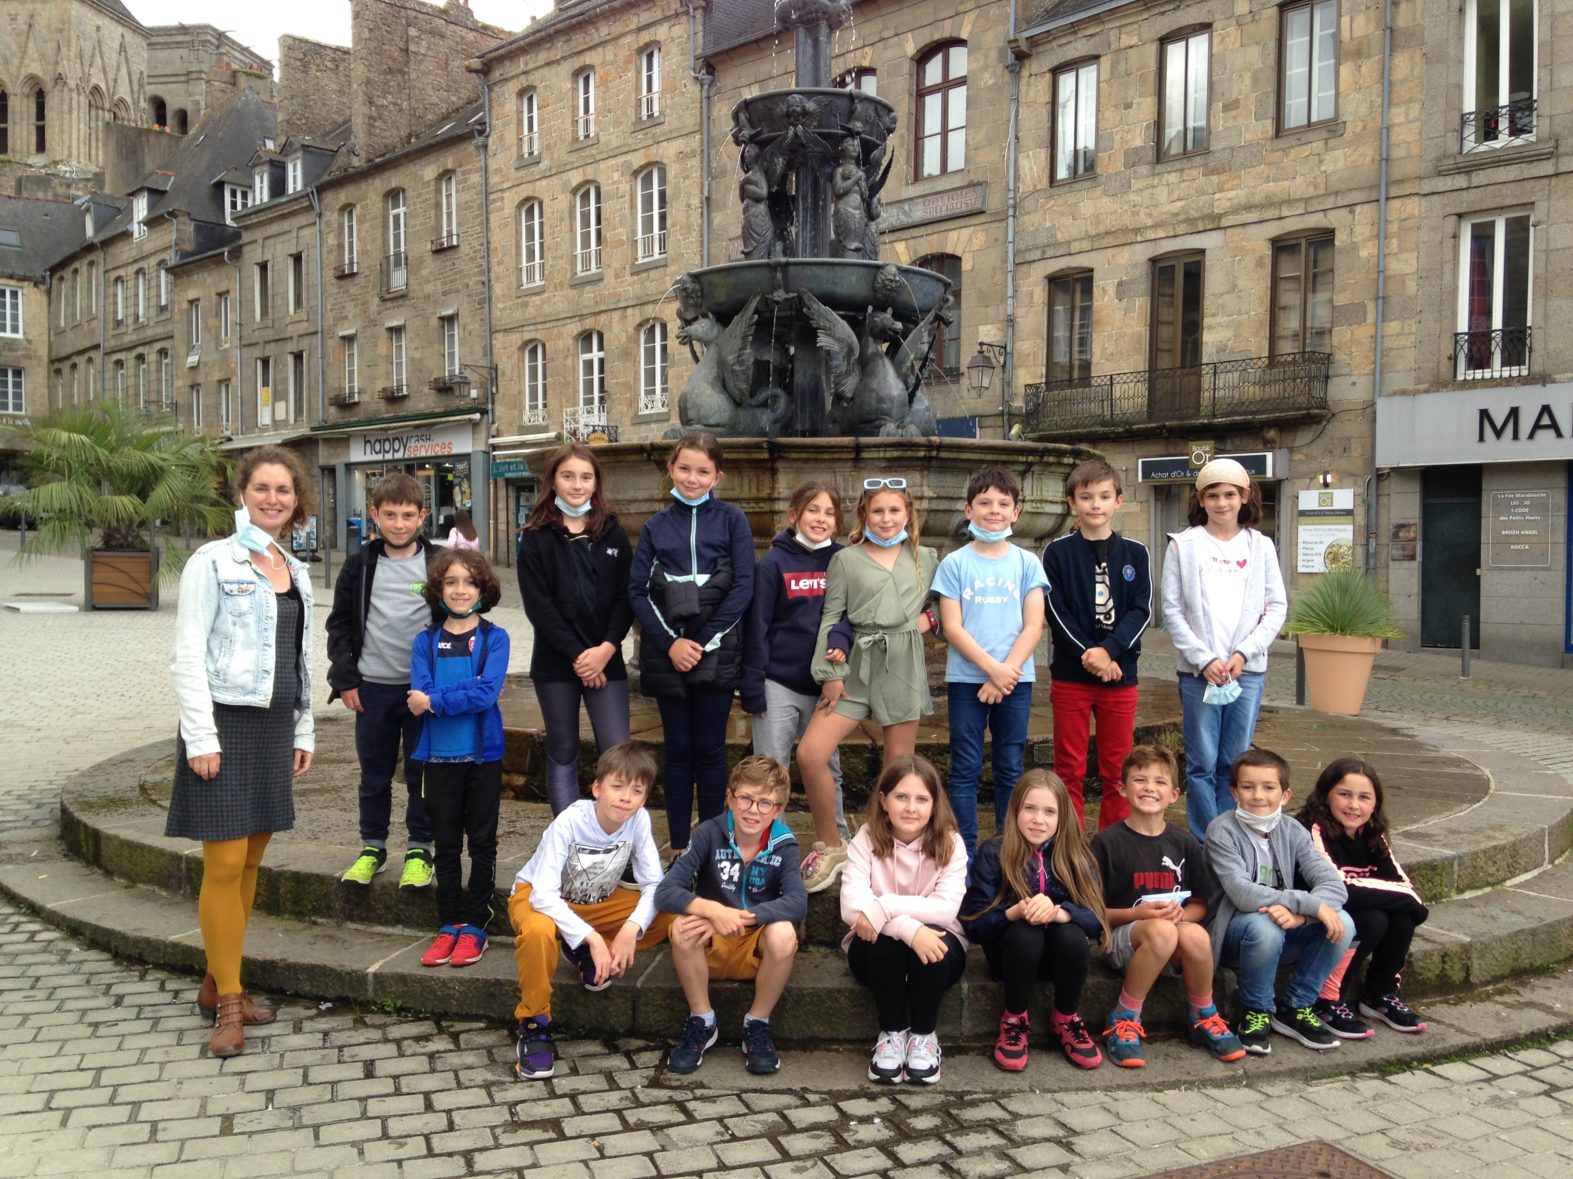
574	559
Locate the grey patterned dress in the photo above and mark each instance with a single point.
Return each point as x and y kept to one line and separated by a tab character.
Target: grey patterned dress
253	791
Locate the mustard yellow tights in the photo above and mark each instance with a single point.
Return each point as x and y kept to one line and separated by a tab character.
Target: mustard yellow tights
229	887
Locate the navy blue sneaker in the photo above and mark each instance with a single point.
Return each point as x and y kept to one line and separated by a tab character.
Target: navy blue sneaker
759	1047
581	958
537	1054
697	1037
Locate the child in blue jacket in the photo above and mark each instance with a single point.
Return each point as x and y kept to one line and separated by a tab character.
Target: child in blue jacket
457	668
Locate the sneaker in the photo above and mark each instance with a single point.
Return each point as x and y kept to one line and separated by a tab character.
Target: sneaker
418	871
627	881
697	1036
759	1048
1010	1050
1301	1023
1394	1012
1255	1032
1077	1043
923	1057
537	1053
442	947
888	1064
470	947
1342	1022
822	865
370	861
584	961
1122	1038
1210	1029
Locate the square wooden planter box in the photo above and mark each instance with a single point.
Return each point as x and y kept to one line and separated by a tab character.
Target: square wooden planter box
122	579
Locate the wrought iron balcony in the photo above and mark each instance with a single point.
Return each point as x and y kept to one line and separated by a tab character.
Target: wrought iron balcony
346	269
587	424
1288	385
1497	125
447	241
395	273
350	396
393	392
1493	352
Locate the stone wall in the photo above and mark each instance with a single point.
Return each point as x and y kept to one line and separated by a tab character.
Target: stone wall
314	87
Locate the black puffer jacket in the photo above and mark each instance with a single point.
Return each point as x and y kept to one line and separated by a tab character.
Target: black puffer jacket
686	608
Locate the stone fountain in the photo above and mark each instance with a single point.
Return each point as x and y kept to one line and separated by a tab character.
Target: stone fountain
810	353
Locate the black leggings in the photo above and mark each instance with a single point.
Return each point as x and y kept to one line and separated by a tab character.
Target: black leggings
694	728
1384	935
907	991
1027	952
463	799
559	699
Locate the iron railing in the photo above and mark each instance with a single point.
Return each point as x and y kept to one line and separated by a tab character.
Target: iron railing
535	415
587	423
532	273
395	272
1493	352
345	269
350	396
1497	124
654	402
650	245
393	392
446	242
1287	383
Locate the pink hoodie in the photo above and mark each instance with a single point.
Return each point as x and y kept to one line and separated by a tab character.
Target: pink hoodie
903	892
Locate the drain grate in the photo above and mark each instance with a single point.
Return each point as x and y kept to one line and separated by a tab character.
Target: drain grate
1305	1160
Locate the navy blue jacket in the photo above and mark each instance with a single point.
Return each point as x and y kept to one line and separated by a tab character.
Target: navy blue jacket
984	882
1070	564
674	544
770	886
783	622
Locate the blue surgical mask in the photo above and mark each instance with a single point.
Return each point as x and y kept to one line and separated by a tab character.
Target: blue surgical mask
569	510
249	534
683	499
1221	694
985	535
887	544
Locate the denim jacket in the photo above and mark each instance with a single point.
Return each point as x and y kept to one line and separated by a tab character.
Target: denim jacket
224	634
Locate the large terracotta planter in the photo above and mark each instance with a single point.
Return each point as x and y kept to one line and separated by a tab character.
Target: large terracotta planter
1337	669
122	579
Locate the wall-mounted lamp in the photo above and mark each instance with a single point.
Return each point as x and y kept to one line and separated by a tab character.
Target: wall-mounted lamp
980	369
1325	479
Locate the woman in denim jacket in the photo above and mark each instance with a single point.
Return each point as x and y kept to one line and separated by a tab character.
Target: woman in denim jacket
242	673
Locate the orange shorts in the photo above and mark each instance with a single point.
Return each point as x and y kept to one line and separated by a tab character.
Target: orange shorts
734	957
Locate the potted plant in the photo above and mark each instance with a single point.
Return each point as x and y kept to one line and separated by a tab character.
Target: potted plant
1341	622
100	483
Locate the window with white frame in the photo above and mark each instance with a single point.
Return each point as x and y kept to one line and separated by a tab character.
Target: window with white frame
592	377
76	392
448	329
194	327
120	383
297	283
651	242
529	124
92	288
350	346
139	364
10	311
60	389
1494	289
76	294
650	82
13	397
139	215
587	230
226	407
398	260
1500	72
448	210
163	289
194	393
942	110
236	198
1187	63
261	291
584	104
396	354
1309	55
862	78
350	245
532	243
89	386
534	365
293	175
141	282
264	387
259	184
223	317
652	368
166	381
1076	121
57	285
120	301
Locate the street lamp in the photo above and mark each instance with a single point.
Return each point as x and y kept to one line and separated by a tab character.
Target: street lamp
980	369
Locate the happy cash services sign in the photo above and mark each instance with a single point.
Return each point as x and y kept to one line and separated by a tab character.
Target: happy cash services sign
416	443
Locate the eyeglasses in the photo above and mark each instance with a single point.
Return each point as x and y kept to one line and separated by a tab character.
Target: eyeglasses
749	803
875	484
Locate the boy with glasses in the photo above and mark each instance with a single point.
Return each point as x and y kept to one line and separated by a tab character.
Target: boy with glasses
738	894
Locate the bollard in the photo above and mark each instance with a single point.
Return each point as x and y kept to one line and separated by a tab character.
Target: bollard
327	565
1299	671
1464	675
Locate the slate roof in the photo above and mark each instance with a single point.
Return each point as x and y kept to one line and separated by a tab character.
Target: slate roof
45	230
1061	12
119	10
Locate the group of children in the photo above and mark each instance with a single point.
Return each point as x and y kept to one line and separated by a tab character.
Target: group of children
817	639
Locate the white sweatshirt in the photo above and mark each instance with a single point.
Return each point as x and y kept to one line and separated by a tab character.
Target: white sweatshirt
579	863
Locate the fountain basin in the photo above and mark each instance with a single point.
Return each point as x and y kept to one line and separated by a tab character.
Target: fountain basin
845	285
828	111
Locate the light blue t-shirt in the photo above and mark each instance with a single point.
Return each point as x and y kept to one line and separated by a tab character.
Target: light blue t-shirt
990	590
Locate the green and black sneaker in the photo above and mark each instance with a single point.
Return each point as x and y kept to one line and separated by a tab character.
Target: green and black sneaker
418	871
370	861
1256	1032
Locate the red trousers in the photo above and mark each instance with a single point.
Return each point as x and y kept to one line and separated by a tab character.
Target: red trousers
1075	707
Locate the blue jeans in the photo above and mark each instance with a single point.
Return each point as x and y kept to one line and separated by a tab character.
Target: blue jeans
381	727
1215	734
1007	726
1254	947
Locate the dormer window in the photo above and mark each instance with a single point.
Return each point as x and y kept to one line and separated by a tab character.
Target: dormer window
236	198
139	215
259	187
292	175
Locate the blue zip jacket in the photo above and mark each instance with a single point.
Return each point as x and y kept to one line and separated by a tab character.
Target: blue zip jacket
1071	566
470	700
770	886
985	881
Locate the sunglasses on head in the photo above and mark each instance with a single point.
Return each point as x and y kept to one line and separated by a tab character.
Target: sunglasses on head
897	484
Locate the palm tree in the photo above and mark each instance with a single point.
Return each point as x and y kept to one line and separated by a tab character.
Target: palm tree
103	476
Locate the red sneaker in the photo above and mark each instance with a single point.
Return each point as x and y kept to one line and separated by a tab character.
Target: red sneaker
1077	1043
1010	1050
471	945
441	949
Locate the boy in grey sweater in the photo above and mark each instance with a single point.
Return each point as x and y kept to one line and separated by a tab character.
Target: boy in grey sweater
1259	914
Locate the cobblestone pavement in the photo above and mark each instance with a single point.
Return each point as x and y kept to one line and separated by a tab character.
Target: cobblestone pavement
103	1067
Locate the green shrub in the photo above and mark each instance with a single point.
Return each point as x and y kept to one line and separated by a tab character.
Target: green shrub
1343	603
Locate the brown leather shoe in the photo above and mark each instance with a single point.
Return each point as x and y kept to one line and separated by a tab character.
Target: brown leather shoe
229	1026
207	1003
